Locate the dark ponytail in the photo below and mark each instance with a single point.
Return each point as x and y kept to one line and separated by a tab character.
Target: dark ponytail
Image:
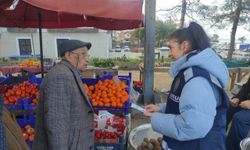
200	39
195	34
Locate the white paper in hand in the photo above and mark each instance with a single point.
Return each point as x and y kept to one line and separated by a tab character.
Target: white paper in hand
137	107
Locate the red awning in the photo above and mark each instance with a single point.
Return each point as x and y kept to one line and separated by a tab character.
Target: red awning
115	9
67	14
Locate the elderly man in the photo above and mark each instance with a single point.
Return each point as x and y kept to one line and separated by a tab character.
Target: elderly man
65	116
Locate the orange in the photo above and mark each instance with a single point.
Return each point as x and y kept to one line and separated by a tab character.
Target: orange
91	88
119	105
94	103
113	104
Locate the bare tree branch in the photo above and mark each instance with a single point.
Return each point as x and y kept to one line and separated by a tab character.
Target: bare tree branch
191	17
170	9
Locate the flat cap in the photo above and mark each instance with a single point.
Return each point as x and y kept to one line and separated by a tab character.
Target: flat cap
70	45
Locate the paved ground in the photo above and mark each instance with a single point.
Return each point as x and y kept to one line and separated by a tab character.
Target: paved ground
162	80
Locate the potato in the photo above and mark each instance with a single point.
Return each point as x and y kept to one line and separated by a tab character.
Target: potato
157	148
144	145
157	143
159	139
150	146
153	141
146	140
139	147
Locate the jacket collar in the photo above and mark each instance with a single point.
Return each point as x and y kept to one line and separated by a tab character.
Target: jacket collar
68	64
78	80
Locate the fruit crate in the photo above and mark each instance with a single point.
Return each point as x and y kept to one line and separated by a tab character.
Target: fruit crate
138	86
20	105
114	110
110	146
27	119
13	80
25	102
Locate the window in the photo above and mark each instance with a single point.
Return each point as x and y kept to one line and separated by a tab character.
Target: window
58	42
25	46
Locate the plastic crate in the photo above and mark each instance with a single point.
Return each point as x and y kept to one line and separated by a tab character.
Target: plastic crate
18	106
2	79
114	110
108	146
16	57
12	80
28	106
22	103
28	119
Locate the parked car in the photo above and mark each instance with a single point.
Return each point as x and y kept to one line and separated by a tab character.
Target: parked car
118	48
126	48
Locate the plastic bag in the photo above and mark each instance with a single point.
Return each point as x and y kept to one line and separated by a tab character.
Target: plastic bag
134	95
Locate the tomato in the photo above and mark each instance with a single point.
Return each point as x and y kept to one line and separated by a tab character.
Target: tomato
25	136
6	102
30	131
27	126
31	137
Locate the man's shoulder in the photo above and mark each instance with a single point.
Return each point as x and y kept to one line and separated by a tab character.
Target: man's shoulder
59	70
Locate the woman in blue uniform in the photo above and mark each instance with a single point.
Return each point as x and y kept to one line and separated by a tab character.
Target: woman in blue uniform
194	117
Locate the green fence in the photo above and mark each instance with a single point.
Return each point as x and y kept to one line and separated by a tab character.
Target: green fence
235	63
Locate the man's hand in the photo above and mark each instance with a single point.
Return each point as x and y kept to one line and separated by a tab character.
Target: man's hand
245	104
234	102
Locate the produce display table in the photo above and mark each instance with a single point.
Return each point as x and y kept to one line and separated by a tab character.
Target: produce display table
95	72
16	69
109	136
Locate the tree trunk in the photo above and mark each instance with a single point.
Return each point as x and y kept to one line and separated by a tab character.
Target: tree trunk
183	13
234	29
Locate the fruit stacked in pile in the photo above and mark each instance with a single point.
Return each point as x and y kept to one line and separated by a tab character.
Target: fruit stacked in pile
138	83
29	63
114	128
23	90
107	93
150	144
138	86
28	133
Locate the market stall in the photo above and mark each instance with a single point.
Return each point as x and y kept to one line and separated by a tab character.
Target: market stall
108	94
109	15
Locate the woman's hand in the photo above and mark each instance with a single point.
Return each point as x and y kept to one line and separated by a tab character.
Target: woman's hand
245	104
147	114
149	109
234	102
152	108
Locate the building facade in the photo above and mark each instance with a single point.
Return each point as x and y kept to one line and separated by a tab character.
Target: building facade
15	41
